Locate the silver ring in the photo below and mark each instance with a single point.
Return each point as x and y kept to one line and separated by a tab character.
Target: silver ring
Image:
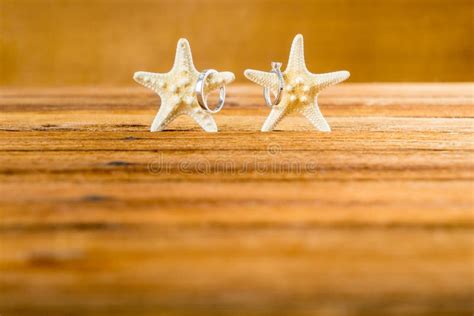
202	100
276	69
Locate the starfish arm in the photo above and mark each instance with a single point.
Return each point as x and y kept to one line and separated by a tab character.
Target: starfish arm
275	116
183	59
151	80
329	79
216	80
296	60
265	79
204	119
313	114
165	115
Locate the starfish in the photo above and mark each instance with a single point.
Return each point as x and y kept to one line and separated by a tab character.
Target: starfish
301	89
176	90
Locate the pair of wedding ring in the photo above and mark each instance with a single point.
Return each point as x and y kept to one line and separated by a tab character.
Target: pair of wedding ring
199	90
202	99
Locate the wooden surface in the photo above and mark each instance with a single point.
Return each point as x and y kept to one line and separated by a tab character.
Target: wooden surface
100	217
88	42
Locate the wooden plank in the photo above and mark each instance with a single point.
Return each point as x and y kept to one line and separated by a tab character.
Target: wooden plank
438	100
247	204
99	216
101	270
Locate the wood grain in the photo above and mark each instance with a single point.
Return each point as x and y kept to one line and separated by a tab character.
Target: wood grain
100	217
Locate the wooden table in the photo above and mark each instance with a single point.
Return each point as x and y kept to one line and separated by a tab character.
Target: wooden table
98	216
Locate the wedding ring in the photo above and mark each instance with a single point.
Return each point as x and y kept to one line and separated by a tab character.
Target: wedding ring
201	98
276	69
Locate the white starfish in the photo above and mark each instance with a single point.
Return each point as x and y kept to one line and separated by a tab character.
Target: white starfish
176	90
301	88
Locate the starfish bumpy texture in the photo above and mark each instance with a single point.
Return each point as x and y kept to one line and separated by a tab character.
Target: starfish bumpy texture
301	89
176	90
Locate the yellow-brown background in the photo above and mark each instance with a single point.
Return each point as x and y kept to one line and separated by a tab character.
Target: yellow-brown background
54	42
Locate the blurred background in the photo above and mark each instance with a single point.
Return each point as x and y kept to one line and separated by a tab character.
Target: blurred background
102	42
